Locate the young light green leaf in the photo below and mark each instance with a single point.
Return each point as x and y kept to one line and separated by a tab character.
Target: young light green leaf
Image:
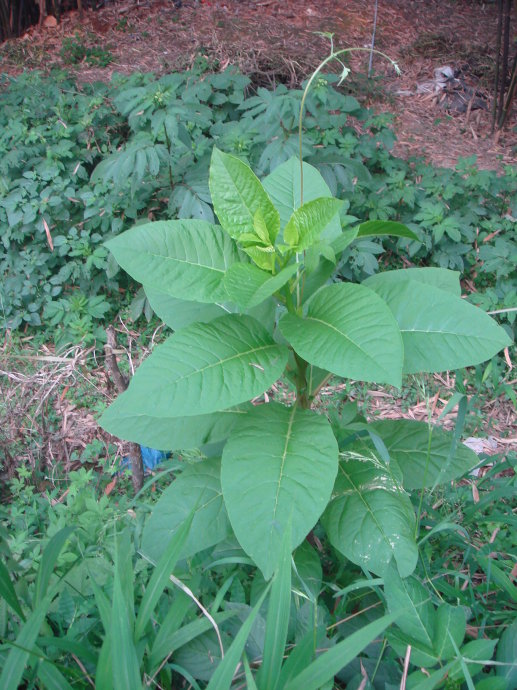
284	189
223	675
237	195
277	621
437	277
125	667
178	313
440	331
279	461
197	489
160	576
370	518
204	368
186	259
328	664
407	442
348	331
248	285
307	222
376	228
171	433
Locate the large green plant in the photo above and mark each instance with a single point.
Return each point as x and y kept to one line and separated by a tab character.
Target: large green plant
252	301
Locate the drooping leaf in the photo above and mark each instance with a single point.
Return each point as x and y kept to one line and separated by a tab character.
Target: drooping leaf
237	195
168	433
375	228
349	331
441	278
204	368
280	462
407	443
48	562
307	222
283	187
248	285
198	489
370	518
178	313
440	331
186	259
410	596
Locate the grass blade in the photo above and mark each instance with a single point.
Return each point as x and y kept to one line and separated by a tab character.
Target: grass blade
18	656
329	663
51	677
277	619
126	670
160	577
8	593
48	561
223	675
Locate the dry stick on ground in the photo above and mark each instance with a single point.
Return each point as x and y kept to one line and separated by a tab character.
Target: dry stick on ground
121	383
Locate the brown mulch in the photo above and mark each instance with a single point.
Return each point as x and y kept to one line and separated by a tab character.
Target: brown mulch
275	41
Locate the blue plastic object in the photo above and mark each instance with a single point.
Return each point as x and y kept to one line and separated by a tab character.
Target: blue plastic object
150	457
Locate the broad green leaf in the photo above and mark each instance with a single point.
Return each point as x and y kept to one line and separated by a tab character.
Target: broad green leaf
407	442
370	518
204	368
507	655
198	489
437	277
168	433
450	622
186	259
18	657
421	654
279	463
440	331
125	667
328	664
178	313
161	574
410	596
344	240
348	331
7	591
237	195
307	222
248	285
375	228
48	562
277	622
223	675
477	650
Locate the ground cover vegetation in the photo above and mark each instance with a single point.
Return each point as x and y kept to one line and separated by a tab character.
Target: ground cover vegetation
308	549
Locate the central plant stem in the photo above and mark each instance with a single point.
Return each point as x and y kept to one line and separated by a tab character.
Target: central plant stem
302	392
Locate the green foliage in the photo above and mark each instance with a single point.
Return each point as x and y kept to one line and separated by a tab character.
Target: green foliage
74	51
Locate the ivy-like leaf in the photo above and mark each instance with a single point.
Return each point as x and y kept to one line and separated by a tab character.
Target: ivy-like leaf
278	466
370	519
237	195
186	259
349	331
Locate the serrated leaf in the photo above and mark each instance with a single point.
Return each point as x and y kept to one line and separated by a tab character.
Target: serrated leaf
186	259
370	518
376	228
407	443
237	195
410	596
204	368
198	489
248	286
349	331
279	463
178	313
284	189
440	331
307	222
437	277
